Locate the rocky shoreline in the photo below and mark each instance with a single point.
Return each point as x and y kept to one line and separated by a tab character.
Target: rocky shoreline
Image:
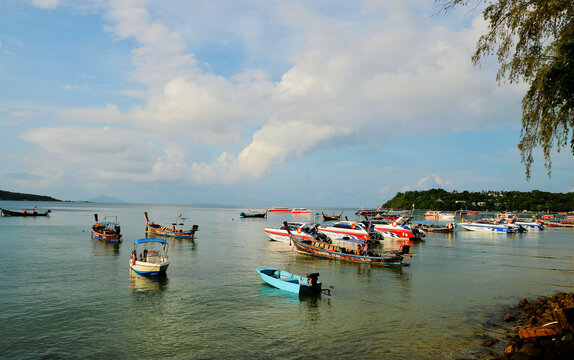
543	329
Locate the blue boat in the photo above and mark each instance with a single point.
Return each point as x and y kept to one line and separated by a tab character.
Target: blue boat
302	285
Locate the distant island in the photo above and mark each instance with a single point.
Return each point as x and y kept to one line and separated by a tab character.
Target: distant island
12	196
442	200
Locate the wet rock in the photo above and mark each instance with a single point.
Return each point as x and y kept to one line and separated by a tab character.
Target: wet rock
522	302
509	317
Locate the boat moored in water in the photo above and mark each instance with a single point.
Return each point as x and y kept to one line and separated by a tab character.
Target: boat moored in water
279	209
331	217
25	212
149	257
305	230
281	279
300	211
253	214
176	230
106	230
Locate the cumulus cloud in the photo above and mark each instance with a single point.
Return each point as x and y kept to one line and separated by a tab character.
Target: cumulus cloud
430	182
381	71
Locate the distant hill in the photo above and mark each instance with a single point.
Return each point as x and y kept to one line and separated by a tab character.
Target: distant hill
439	199
106	199
12	196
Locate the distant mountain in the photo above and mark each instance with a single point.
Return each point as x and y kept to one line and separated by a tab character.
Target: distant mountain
106	199
12	196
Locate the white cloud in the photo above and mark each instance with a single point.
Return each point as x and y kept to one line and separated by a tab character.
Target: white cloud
356	78
430	182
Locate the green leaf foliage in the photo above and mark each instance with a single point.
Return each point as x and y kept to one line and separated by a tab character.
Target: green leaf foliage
533	41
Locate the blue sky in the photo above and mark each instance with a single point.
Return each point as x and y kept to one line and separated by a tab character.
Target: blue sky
299	103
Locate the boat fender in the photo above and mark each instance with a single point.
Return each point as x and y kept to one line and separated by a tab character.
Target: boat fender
394	224
353	226
299	230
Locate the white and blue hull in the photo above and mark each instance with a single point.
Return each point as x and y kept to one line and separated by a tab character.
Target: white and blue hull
486	227
530	226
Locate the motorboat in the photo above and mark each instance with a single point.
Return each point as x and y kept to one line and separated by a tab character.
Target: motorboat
398	228
305	230
149	257
487	226
278	209
25	212
346	230
300	211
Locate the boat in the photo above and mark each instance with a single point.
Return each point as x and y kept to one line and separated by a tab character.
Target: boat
300	211
25	212
439	215
281	279
305	230
149	257
556	224
279	209
487	226
528	225
331	217
106	230
253	214
176	229
350	250
448	228
345	230
398	228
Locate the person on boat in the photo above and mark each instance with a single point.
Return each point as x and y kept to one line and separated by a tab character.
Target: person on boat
133	257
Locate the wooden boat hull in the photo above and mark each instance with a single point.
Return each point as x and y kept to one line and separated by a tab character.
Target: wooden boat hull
330	252
6	212
253	215
289	282
333	217
106	237
160	230
556	224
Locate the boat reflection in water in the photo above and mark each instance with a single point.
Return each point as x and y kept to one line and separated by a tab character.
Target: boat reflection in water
144	284
105	248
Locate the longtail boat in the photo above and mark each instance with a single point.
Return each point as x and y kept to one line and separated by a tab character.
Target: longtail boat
281	279
448	228
559	224
331	217
253	214
176	230
106	230
353	250
25	212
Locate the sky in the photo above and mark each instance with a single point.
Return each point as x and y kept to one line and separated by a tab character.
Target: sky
255	102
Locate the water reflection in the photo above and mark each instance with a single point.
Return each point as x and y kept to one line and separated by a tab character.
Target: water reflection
105	248
143	284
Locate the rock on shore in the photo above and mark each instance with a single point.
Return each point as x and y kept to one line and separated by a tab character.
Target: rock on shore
544	331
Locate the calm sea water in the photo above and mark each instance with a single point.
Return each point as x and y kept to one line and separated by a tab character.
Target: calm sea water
66	295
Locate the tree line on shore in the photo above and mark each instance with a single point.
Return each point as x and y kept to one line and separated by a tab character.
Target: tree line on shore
486	200
13	196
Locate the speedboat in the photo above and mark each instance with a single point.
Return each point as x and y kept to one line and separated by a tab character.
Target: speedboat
397	229
149	257
300	211
345	230
487	226
305	230
106	230
280	209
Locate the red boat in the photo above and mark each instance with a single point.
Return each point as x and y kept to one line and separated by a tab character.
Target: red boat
280	209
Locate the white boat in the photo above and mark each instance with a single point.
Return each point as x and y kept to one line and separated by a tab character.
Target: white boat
529	225
149	257
439	215
397	229
300	211
304	230
486	226
342	230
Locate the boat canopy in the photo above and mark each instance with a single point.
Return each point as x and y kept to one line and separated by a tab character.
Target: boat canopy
141	241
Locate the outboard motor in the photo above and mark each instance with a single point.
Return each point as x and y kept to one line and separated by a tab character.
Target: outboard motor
314	287
404	249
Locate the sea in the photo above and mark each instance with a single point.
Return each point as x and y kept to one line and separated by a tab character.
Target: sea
65	295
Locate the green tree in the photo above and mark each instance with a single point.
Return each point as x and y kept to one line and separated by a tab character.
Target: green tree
534	42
